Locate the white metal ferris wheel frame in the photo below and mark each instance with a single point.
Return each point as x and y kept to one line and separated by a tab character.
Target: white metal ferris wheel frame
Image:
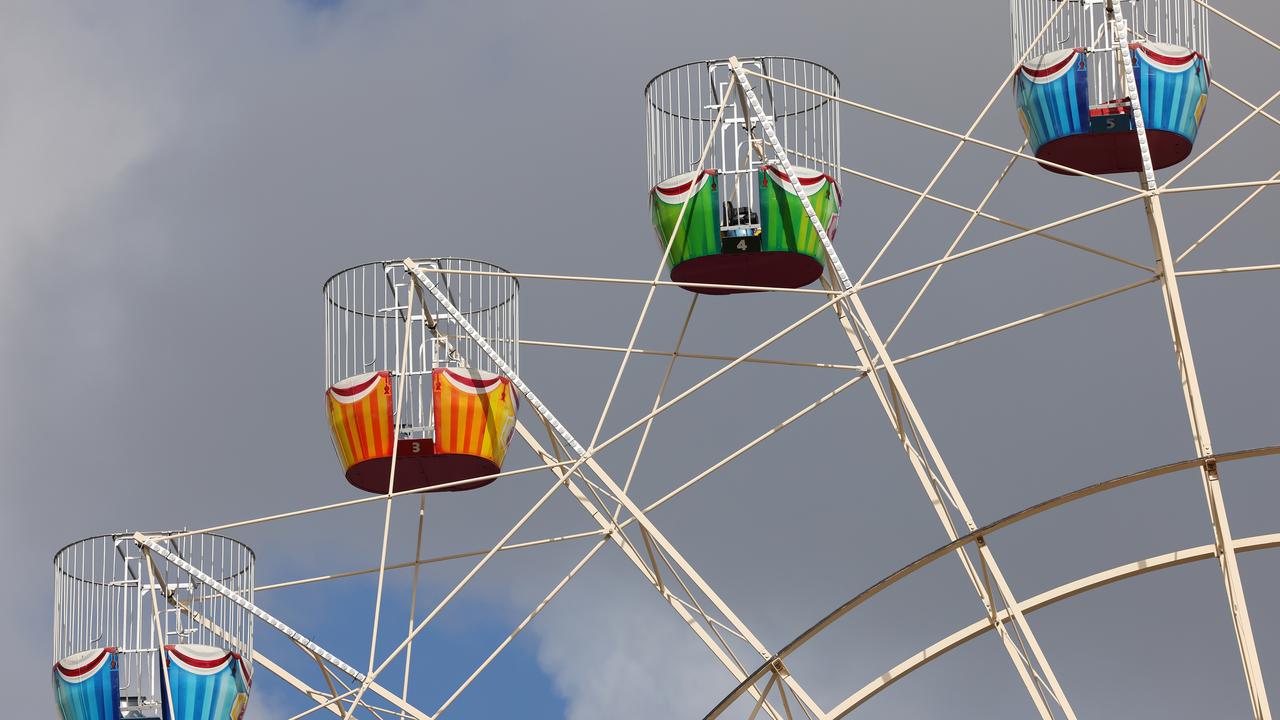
772	687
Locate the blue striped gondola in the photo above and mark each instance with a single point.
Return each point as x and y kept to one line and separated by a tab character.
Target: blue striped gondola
86	686
1064	128
207	683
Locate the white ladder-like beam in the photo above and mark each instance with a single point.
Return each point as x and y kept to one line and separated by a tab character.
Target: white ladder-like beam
611	530
1035	671
297	637
585	458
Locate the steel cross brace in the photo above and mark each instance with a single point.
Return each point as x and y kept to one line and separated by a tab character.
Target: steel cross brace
610	527
923	454
325	701
602	518
1165	258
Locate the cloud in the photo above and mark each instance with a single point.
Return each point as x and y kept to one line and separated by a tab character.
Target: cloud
176	181
80	126
624	654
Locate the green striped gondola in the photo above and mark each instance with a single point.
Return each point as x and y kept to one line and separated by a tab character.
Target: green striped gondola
778	248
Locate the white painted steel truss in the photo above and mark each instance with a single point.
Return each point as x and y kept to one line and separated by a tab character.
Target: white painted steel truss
765	683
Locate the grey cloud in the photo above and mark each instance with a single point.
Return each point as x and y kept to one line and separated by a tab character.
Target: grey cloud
178	181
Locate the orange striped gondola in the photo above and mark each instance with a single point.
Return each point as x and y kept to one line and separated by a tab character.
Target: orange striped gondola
474	414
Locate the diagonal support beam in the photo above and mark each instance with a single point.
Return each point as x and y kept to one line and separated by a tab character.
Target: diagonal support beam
274	668
1041	232
325	700
1238	25
614	533
1243	203
152	545
1191	390
918	444
584	457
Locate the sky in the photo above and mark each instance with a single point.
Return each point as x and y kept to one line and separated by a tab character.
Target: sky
178	180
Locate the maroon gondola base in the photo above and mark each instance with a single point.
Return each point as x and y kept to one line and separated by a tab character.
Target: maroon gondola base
761	269
417	468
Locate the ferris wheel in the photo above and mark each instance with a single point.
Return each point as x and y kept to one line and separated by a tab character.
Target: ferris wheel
424	391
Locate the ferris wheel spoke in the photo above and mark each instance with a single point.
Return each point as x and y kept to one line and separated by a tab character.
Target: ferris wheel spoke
1030	319
973	215
376	712
755	709
1190	385
616	492
1026	606
324	701
692	356
1226	270
520	627
941	131
413	592
1141	567
657	275
1225	219
1003	241
741	359
1219	186
612	526
587	457
750	445
985	215
1257	109
657	400
1239	25
955	151
903	415
713	625
1015	641
786	706
330	702
607	280
276	517
397	416
613	532
329	680
346	691
1243	101
154	545
457	588
1248	199
652	552
425	561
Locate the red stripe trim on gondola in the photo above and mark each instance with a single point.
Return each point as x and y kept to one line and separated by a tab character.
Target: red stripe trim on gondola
196	662
84	669
357	389
478	383
248	676
685	187
1033	72
803	180
1166	59
808	181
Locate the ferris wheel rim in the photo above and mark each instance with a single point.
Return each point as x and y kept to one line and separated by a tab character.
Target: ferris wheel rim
978	535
